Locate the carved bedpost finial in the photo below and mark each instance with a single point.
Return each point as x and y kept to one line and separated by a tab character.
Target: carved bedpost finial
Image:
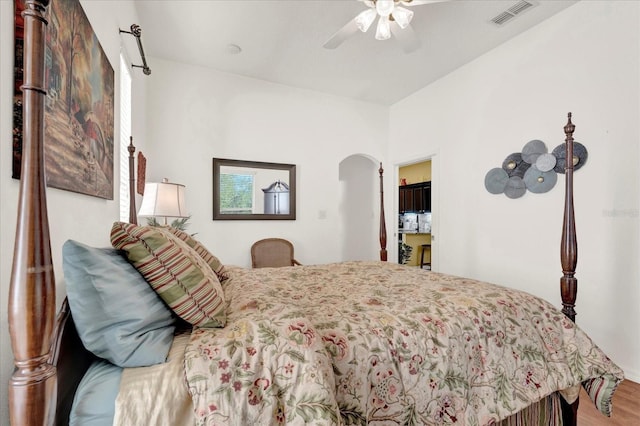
131	148
569	128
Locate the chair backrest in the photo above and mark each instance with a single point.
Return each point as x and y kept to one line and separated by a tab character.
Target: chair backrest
272	252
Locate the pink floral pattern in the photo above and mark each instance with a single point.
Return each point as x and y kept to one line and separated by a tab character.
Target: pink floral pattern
380	343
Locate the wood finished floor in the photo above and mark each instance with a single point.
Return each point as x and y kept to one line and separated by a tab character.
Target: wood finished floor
626	408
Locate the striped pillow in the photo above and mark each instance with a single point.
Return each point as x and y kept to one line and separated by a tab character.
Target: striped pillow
175	271
213	262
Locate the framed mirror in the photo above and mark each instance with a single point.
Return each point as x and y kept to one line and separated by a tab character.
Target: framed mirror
253	190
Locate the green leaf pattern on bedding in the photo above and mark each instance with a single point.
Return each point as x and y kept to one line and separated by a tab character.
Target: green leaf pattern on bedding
379	343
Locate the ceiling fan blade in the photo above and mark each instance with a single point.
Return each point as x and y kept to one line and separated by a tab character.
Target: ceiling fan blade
420	2
341	35
407	37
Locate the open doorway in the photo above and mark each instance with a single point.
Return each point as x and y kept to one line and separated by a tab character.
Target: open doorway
415	214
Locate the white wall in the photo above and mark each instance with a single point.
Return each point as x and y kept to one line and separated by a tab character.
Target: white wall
71	215
584	60
196	114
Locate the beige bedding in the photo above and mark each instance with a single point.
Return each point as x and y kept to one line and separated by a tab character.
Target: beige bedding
380	343
367	343
168	404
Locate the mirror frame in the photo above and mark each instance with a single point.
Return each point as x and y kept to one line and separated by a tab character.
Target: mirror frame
219	162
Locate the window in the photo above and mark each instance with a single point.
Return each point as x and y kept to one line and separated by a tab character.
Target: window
125	134
236	192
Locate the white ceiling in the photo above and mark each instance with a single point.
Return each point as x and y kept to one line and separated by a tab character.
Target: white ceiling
281	41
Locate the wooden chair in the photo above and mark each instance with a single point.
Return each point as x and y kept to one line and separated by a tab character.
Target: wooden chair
425	247
272	252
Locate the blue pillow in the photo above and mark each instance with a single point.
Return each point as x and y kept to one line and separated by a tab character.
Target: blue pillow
95	401
118	315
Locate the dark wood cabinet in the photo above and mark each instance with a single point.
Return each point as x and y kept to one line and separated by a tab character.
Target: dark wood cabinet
418	199
426	200
415	197
406	199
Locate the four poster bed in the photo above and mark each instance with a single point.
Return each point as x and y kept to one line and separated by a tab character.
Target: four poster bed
345	343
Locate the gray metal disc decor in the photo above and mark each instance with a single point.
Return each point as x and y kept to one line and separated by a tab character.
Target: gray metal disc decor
546	162
580	156
538	181
496	180
514	165
534	169
515	187
532	150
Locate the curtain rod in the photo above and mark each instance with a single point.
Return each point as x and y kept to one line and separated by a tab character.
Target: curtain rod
137	32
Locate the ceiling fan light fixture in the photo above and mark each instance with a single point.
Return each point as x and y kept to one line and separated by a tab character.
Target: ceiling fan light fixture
365	19
394	19
402	16
384	7
383	31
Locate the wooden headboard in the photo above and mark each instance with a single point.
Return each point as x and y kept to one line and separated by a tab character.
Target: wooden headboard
48	355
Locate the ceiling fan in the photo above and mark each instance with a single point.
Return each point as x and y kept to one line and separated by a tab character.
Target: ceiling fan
393	18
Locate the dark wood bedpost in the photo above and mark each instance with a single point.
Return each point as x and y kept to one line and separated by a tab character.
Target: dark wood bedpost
383	228
32	291
569	244
133	218
569	257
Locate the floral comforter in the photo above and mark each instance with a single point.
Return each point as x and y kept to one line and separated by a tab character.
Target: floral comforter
381	343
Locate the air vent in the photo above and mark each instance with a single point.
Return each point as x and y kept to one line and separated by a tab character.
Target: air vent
513	11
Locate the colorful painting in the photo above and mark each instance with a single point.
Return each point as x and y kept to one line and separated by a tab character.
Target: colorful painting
79	113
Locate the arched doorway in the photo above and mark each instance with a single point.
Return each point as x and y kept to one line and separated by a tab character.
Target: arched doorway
359	208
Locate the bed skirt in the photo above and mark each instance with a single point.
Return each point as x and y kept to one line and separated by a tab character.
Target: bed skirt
546	412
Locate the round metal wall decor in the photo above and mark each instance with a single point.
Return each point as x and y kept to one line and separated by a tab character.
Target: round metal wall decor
514	165
515	187
533	169
496	180
580	156
546	162
532	150
538	181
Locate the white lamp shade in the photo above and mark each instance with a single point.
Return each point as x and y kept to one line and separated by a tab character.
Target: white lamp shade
163	199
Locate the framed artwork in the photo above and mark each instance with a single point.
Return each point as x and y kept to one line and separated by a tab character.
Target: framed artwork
79	106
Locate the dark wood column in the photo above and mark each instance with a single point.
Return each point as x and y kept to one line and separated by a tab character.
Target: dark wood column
32	292
383	227
569	256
